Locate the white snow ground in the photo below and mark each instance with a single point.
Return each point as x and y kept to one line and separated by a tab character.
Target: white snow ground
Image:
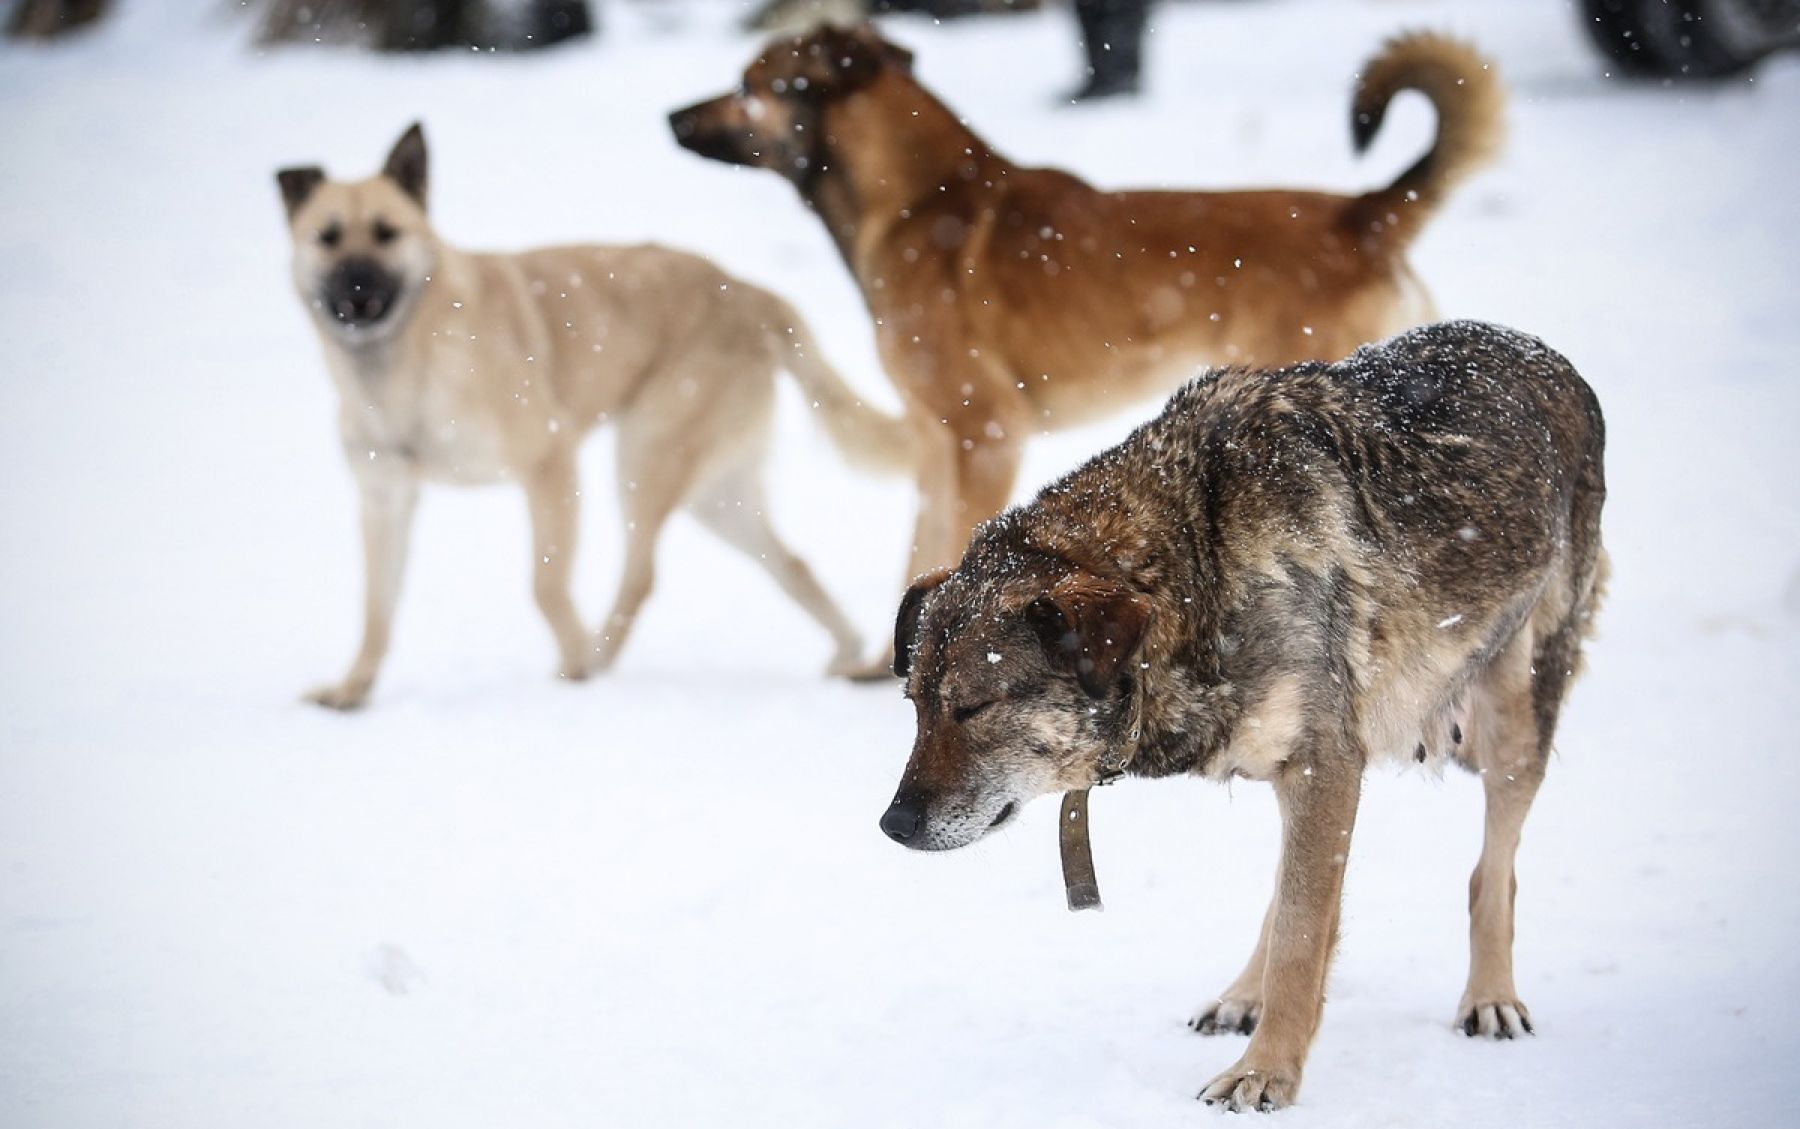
660	899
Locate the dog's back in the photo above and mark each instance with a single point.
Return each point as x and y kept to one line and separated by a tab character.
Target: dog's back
1392	520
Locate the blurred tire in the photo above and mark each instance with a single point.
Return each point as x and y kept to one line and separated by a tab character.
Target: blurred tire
1690	39
48	19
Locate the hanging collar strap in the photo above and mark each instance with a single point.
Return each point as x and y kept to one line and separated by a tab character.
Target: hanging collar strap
1079	882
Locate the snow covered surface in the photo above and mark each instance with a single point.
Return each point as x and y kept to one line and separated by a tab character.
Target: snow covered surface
660	899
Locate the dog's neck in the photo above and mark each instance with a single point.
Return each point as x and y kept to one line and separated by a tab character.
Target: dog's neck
888	148
369	361
377	379
1187	708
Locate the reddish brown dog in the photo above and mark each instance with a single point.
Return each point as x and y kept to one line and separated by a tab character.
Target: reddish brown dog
1012	300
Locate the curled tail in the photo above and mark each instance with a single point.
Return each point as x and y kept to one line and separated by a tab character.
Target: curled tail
868	439
1466	92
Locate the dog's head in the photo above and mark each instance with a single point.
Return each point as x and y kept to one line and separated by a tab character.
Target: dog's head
773	119
363	250
1023	675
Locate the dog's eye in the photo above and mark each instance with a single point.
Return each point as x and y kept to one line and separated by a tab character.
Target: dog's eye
330	236
385	232
964	713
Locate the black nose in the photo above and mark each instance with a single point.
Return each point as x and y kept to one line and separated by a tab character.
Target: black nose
683	122
360	292
901	821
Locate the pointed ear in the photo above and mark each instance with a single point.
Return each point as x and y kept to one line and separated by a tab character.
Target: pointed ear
843	60
886	50
1091	628
906	624
297	185
896	55
406	164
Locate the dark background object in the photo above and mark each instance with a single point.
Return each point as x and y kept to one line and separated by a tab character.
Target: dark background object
424	25
47	19
1112	37
796	17
1690	39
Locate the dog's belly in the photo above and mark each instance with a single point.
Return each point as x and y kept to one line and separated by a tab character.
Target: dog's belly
1150	373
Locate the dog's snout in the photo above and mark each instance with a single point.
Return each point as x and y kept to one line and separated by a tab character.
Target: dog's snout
358	277
360	292
902	819
701	129
685	122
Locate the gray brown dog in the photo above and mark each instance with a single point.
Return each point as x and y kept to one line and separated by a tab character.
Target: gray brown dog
1283	577
1009	301
471	368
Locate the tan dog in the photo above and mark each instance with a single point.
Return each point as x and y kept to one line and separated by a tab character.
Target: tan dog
473	368
1284	577
1010	301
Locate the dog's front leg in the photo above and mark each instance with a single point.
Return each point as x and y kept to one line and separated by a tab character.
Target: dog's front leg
1318	796
388	501
1239	1006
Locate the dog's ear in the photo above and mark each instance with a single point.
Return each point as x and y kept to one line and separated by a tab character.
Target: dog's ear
1091	628
406	164
297	185
889	51
844	60
906	623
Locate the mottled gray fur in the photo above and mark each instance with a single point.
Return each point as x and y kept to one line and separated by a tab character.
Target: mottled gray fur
1283	576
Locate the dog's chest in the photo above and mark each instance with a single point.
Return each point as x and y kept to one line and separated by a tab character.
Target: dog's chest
439	429
456	443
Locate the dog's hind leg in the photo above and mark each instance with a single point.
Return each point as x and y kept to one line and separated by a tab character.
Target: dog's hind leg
1239	1006
552	493
1508	749
734	506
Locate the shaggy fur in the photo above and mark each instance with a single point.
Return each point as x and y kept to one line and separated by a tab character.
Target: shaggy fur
1283	577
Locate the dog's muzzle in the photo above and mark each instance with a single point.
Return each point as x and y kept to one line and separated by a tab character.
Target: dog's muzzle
908	821
359	292
695	133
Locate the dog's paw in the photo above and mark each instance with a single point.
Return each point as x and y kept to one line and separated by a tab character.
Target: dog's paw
341	696
880	669
1496	1019
1227	1015
567	671
847	664
1246	1087
604	651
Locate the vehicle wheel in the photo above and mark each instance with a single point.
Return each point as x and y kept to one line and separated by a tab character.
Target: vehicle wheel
1690	39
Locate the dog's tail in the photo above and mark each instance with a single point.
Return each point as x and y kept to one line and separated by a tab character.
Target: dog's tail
1467	94
869	439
